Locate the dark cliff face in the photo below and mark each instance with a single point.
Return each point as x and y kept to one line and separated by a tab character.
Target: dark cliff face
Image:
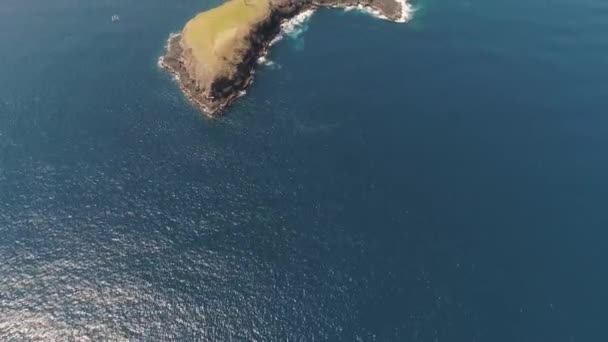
259	39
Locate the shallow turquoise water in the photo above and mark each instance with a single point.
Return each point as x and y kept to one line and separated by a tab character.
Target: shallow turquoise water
442	180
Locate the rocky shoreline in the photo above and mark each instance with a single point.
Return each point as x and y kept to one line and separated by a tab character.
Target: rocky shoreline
222	91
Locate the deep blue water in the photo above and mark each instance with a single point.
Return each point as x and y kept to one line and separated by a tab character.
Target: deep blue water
442	180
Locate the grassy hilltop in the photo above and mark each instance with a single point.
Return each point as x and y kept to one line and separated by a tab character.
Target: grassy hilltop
216	36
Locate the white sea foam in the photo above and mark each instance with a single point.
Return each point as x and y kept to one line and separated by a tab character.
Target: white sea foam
171	36
297	22
292	28
295	26
406	11
265	61
161	59
374	12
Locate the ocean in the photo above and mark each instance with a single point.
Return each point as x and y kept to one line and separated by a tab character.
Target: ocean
439	180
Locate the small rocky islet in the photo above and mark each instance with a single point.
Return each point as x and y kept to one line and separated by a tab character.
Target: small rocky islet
214	56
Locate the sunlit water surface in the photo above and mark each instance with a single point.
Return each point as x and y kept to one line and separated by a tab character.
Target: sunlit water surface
441	180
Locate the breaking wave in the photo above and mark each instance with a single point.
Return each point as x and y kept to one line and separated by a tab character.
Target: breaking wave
294	27
407	11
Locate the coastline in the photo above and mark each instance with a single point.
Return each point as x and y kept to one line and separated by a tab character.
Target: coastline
406	11
207	106
285	17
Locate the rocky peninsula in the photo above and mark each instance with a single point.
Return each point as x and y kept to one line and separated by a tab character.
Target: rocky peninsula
214	57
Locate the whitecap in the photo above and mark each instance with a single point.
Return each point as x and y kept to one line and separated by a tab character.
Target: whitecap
406	11
265	61
295	26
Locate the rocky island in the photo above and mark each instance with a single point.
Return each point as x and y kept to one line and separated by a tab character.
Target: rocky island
213	58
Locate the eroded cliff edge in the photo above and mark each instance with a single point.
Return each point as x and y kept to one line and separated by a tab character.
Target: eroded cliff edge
215	55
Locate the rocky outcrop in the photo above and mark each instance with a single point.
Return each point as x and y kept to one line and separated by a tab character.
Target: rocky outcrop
390	9
214	95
